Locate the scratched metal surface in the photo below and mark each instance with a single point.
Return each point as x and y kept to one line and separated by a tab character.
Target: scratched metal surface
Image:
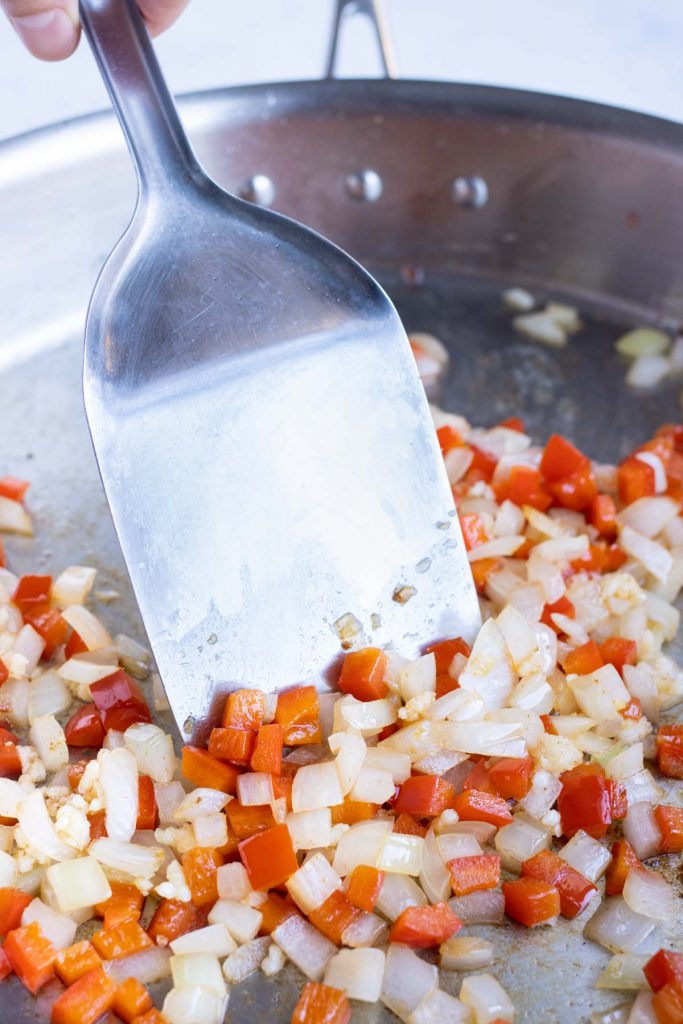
64	196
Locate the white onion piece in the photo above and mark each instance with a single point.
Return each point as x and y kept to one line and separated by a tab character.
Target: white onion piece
214	939
350	749
88	626
242	922
652	555
113	740
14	699
438	1006
131	859
642	341
76	884
456	462
407	980
545	789
11	795
518	299
453	845
489	671
360	844
310	830
313	883
199	802
561	549
48	695
624	971
640	684
520	840
373	785
246	960
509	520
440	762
495	739
646	371
233	882
484	907
148	967
73	585
210	830
135	658
194	1005
642	831
316	786
649	516
304	946
367	717
482	831
358	972
47	737
467	953
500	547
119	781
59	929
153	751
392	761
626	763
37	826
457	706
586	855
643	788
418	677
547	575
617	927
31	881
14	518
255	789
8	867
400	853
487	997
434	877
169	796
29	645
520	640
600	694
397	893
649	894
365	930
642	1011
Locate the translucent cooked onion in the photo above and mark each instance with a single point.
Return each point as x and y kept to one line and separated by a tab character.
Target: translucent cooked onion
47	737
649	516
624	971
88	626
358	972
37	826
647	893
29	645
467	953
400	853
495	739
484	907
652	556
313	883
310	830
646	371
169	796
48	695
246	960
365	930
14	518
316	786
360	844
489	670
366	717
199	802
586	855
304	946
119	781
407	980
453	845
373	785
153	751
350	749
131	859
545	789
397	893
417	677
77	884
520	840
255	789
642	787
617	927
642	831
59	929
434	877
194	1005
487	997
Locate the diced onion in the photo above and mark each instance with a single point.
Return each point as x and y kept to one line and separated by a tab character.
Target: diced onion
642	341
59	929
484	907
304	946
401	853
210	830
242	922
131	859
148	967
199	802
407	980
214	939
649	894
394	762
649	516
48	695
360	844
246	960
134	658
47	737
29	645
642	788
36	825
88	626
646	371
233	882
520	840
624	971
489	671
642	831
366	717
500	547
487	997
495	739
316	786
310	830
195	1005
358	972
152	748
586	855
652	555
453	845
313	883
73	585
434	877
625	763
364	931
519	299
466	953
255	789
77	884
373	785
169	796
418	677
545	789
617	927
14	518
542	327
8	869
119	781
437	1007
397	893
350	749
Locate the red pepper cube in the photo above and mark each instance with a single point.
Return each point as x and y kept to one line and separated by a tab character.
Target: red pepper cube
473	530
244	709
10	762
563	606
475	805
363	887
602	514
670	751
575	890
298	712
530	901
334	916
201	769
663	968
131	1000
269	857
120	701
362	674
245	822
619	651
84	728
445	650
425	927
13	903
199	867
670	822
474	873
267	754
275	910
668	1003
583	660
425	796
86	1000
75	961
585	801
576	491
561	459
524	486
321	1004
147	804
635	479
231	744
31	591
407	825
12	488
479	778
31	955
121	940
511	777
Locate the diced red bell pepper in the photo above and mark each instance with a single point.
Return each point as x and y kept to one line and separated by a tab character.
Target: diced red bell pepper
4	673
425	927
86	1000
363	887
511	777
84	728
633	710
13	903
473	530
5	965
49	624
120	701
298	712
548	725
10	762
31	591
269	857
352	811
663	968
244	709
282	786
75	961
479	777
670	751
482	569
408	825
267	754
674	431
274	910
635	479
530	901
514	423
201	769
131	1000
147	804
561	459
199	867
583	660
98	825
74	645
321	1004
445	650
668	1003
231	744
603	515
619	651
474	873
75	773
444	684
483	463
524	486
585	801
362	674
248	821
172	918
562	606
670	822
576	491
474	805
448	438
122	939
334	916
12	488
424	796
31	955
624	859
575	890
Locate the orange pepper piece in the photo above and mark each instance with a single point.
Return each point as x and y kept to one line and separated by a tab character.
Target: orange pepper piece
201	769
121	939
363	887
575	890
624	859
267	755
75	961
362	674
152	1016
334	916
31	955
86	1000
269	857
172	918
147	804
670	822
425	927
353	811
668	1003
232	744
530	901
247	821
584	659
131	1000
474	805
275	910
445	650
471	874
13	903
407	825
511	777
244	709
199	867
298	712
670	750
321	1004
663	967
618	651
424	796
124	904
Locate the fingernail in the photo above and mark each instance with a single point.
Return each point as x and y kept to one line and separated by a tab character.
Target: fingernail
51	35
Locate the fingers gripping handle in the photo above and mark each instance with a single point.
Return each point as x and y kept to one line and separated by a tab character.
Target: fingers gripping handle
142	101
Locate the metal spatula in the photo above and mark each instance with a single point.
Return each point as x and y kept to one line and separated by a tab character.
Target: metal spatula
260	427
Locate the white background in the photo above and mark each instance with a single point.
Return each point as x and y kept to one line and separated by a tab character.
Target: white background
625	52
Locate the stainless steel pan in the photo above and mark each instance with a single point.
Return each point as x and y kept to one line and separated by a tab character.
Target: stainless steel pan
448	193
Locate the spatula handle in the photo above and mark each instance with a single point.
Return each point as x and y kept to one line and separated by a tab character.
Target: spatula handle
120	42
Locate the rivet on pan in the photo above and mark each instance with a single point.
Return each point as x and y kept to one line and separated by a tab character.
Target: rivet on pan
365	185
470	192
258	189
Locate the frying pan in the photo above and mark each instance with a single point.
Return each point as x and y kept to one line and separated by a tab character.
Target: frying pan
448	193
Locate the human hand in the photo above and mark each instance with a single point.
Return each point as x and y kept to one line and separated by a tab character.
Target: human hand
49	29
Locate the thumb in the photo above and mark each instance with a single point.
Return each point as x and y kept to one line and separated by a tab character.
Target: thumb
49	29
159	14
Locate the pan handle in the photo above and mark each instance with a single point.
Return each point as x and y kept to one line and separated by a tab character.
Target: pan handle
374	10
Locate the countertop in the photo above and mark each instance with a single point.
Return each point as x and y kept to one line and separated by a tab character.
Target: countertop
623	53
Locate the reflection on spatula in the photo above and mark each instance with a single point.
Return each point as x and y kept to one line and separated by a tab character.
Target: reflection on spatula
262	434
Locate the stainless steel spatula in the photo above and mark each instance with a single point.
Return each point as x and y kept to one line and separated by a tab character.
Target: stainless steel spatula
260	427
